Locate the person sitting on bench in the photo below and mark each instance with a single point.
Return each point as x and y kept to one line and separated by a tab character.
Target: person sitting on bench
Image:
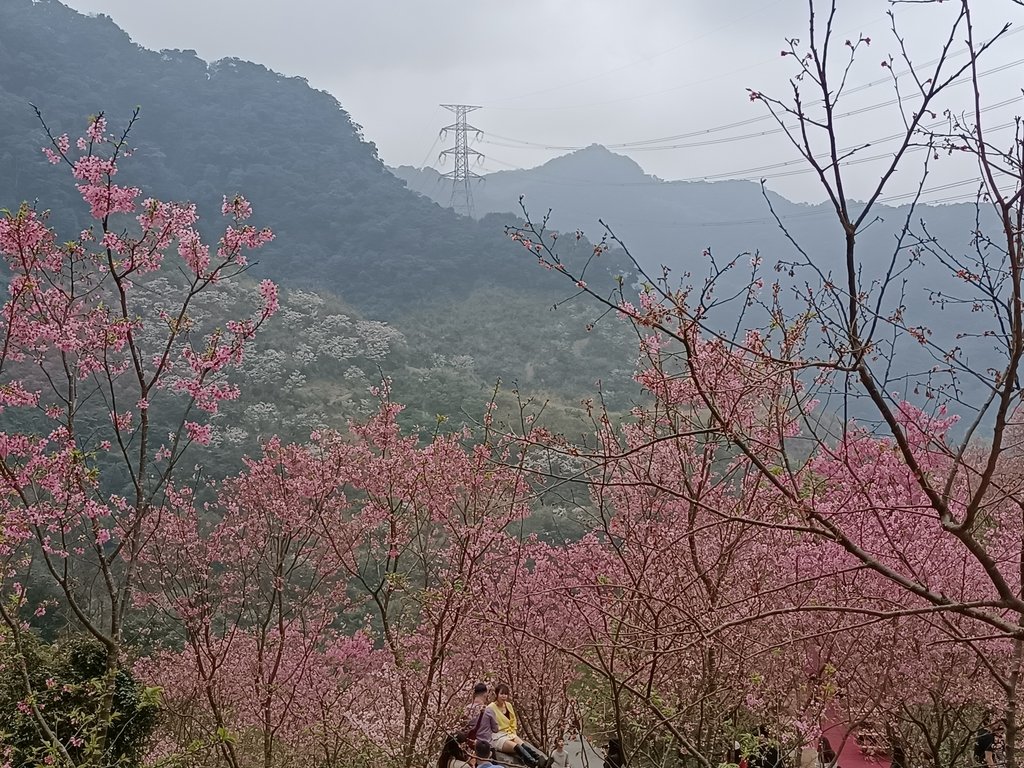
507	738
481	724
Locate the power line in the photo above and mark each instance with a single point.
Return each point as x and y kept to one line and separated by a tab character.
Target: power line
757	173
418	187
647	144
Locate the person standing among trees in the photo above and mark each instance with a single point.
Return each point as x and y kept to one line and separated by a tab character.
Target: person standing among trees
507	738
985	743
898	759
827	757
613	756
767	754
559	757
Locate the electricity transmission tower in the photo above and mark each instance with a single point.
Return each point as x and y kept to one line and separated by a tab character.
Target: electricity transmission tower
461	175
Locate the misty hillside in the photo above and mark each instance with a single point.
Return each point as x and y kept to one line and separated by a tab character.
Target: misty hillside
456	289
674	223
344	223
348	232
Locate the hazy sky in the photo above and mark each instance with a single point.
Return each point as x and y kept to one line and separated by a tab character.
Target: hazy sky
567	73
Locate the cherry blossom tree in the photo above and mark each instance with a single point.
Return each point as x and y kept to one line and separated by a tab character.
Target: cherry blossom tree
861	418
335	598
663	599
257	592
101	402
430	528
702	605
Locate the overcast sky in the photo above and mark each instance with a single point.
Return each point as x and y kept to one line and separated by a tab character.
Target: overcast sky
567	73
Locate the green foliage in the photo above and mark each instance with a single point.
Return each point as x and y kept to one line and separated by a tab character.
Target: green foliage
536	347
66	679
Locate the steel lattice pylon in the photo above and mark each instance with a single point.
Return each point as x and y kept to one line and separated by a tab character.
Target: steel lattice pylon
461	175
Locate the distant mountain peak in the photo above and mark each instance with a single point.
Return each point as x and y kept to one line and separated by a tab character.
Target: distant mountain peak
596	163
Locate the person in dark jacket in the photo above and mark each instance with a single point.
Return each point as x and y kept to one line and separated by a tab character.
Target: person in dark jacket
985	743
614	757
899	756
827	757
767	754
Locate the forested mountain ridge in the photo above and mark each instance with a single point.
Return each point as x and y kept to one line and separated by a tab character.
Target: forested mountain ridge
684	224
673	222
345	227
343	222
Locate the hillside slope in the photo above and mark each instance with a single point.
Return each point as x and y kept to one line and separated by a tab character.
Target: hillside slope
673	222
346	227
344	223
678	223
